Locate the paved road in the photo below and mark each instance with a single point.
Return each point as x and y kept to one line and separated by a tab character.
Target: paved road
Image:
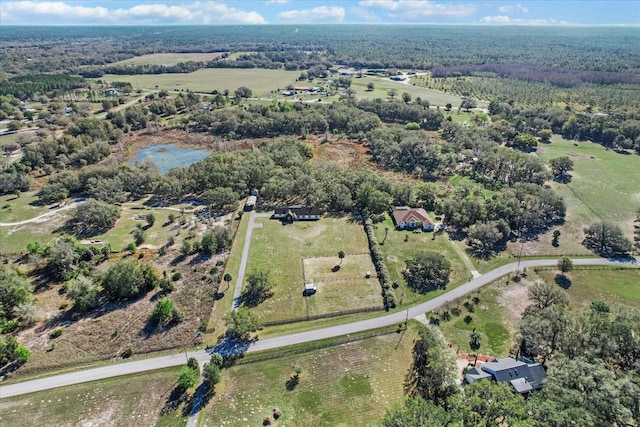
177	359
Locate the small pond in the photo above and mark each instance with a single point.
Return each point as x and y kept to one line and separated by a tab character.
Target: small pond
168	156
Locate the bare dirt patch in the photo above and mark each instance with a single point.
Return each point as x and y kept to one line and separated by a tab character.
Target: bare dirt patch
514	297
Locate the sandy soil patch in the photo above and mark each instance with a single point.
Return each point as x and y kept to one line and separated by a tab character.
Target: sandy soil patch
514	297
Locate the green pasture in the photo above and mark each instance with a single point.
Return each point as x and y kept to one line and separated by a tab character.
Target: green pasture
489	318
613	286
281	250
604	186
261	82
344	385
382	86
400	246
131	400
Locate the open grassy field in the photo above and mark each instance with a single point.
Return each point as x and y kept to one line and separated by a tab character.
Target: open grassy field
397	250
344	385
281	250
344	289
132	400
168	59
604	185
14	209
620	286
262	82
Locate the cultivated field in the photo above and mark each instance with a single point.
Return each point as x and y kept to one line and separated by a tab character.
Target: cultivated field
261	82
132	400
168	59
288	252
344	385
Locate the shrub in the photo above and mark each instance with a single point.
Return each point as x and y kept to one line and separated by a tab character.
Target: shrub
55	333
127	353
21	354
165	313
176	276
166	286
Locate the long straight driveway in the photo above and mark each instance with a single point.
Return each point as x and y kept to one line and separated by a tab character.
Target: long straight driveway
133	367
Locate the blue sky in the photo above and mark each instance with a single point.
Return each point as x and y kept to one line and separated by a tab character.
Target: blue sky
223	12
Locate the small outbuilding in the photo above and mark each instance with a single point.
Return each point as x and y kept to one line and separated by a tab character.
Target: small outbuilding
309	289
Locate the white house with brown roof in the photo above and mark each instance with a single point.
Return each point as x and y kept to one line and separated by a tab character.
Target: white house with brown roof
407	218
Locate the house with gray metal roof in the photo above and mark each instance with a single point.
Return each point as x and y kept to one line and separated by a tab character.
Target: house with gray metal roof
523	375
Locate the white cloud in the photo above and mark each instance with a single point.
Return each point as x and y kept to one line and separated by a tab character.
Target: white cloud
364	14
506	20
199	12
417	10
324	14
517	8
278	1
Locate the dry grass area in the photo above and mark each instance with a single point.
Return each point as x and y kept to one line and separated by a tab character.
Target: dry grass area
106	333
168	59
133	400
344	385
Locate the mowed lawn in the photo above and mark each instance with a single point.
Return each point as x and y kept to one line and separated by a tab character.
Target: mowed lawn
345	385
281	249
261	82
400	246
604	185
122	401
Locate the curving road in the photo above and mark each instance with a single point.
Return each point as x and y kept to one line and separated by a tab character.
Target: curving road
177	359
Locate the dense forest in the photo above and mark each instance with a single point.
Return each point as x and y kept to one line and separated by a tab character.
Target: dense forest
46	49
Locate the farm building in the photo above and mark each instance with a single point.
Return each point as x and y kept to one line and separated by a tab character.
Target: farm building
407	218
523	375
296	213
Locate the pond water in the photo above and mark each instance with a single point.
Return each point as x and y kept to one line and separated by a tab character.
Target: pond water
168	156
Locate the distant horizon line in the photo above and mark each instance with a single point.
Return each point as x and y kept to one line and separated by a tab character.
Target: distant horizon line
386	24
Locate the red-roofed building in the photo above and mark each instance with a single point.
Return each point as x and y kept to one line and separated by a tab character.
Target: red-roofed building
411	218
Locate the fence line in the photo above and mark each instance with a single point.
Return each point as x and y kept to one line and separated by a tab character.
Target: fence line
322	316
317	345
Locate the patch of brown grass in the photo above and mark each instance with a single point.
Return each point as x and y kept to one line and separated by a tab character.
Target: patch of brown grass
104	334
